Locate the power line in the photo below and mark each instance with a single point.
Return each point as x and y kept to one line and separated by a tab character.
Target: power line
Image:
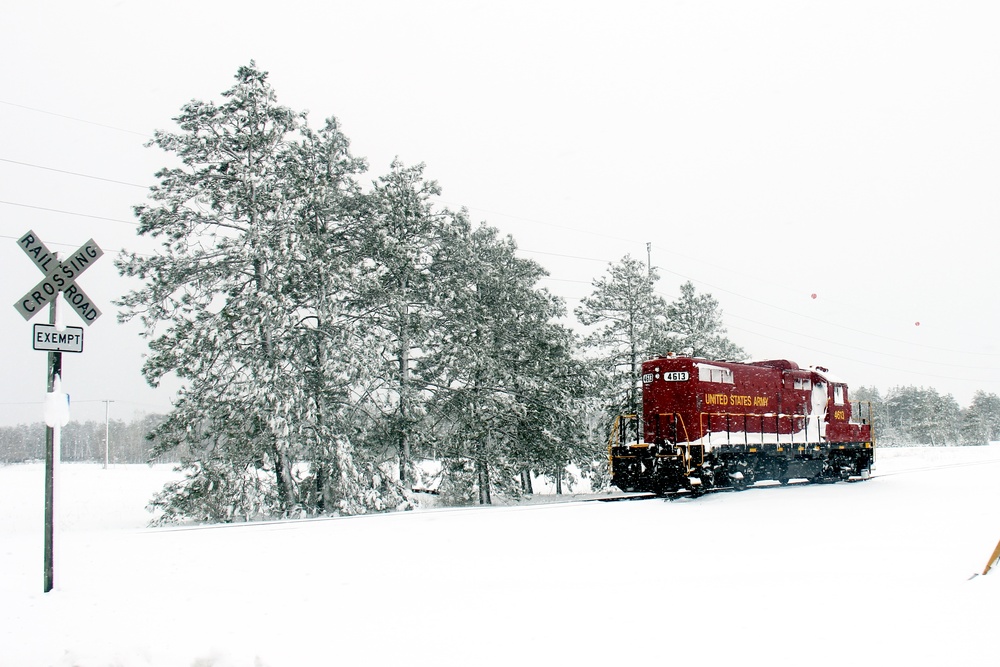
855	347
555	254
76	245
865	362
489	212
78	120
834	324
81	215
540	222
74	173
771	305
831	342
589	259
506	215
606	261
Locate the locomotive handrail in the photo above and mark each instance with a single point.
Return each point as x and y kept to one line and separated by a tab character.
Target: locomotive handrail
677	417
706	421
616	433
867	418
617	437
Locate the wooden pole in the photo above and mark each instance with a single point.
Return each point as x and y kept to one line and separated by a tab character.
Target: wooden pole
993	559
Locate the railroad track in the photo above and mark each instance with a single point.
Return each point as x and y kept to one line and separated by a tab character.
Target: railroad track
943	466
767	485
622	496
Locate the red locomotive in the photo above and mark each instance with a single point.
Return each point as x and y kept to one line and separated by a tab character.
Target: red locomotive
716	424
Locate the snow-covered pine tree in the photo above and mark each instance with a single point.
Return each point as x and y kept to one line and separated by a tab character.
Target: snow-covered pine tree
336	346
981	420
397	291
555	387
694	328
627	314
242	302
919	415
495	356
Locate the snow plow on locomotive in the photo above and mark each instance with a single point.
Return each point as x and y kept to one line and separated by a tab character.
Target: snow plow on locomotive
714	424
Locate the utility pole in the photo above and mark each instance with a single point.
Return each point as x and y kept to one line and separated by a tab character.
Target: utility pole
107	423
649	258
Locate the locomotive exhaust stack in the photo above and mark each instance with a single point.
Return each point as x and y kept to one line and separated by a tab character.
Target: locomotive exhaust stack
716	424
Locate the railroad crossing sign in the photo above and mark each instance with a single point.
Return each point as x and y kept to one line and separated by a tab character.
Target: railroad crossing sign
60	276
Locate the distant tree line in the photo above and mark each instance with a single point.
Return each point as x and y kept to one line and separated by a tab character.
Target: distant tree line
903	416
84	442
919	415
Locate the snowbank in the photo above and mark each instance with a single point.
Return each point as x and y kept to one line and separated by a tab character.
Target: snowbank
858	574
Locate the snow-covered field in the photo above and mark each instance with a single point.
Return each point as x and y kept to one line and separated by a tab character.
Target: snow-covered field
868	573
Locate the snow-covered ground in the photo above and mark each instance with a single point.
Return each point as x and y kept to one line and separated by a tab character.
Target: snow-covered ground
868	573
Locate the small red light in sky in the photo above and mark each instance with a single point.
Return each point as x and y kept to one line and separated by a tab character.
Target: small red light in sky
814	296
916	324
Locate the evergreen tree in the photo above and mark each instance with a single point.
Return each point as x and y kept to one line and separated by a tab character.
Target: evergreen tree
397	293
22	443
694	327
555	388
499	359
627	316
981	420
243	302
82	441
918	415
334	348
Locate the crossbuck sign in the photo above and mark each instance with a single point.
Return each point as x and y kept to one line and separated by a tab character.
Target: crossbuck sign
60	276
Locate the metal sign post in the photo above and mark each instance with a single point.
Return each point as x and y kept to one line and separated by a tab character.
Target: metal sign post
60	277
54	370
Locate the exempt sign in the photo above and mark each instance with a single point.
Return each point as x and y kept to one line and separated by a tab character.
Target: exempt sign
47	337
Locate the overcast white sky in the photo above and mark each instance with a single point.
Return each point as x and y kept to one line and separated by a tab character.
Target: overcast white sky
767	150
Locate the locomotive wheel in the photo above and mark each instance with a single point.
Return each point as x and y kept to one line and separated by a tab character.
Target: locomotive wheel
697	490
741	478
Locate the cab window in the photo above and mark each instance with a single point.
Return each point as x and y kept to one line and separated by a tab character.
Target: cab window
708	373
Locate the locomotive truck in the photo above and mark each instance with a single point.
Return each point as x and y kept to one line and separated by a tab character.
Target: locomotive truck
716	424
